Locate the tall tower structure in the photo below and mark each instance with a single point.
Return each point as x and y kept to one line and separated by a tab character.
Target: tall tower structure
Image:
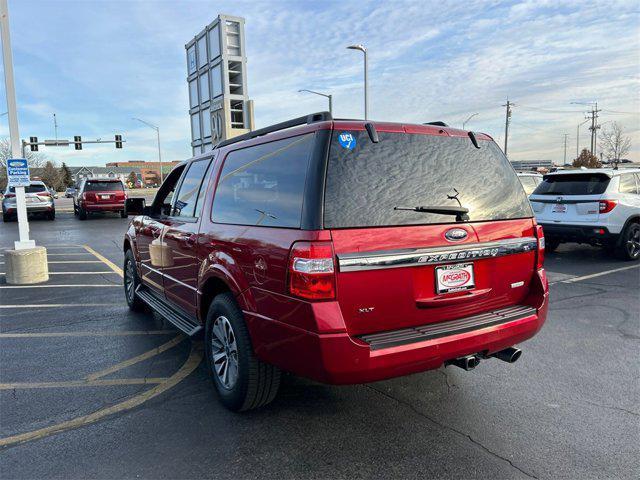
219	105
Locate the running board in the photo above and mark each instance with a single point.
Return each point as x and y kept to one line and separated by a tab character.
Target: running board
183	322
404	336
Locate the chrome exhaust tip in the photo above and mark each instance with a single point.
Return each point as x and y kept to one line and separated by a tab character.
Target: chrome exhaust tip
509	355
468	362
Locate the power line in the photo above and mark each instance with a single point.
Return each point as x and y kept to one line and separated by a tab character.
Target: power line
548	110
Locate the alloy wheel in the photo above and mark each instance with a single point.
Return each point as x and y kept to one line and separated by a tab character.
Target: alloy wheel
224	352
633	243
129	281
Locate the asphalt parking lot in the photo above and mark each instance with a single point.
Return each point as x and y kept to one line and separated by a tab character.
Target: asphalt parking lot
89	389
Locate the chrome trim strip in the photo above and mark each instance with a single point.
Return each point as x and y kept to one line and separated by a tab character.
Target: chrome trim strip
351	262
169	277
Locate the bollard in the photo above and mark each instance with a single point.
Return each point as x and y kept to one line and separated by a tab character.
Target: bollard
26	266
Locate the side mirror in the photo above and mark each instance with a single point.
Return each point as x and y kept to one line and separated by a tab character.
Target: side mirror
135	206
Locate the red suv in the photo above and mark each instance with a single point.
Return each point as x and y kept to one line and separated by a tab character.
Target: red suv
343	251
99	195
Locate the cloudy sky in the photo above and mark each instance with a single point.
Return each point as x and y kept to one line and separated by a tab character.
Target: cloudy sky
96	64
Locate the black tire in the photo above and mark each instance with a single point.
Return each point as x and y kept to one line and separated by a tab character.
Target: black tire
123	214
629	245
551	244
256	383
132	280
6	218
82	213
51	215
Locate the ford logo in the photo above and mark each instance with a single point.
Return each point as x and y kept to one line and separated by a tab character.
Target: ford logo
456	234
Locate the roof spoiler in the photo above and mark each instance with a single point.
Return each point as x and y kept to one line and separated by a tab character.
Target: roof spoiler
294	122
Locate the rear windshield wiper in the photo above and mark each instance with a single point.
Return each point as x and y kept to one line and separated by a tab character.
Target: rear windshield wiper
459	212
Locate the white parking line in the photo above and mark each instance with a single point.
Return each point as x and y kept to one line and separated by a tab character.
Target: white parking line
108	272
58	305
75	261
594	275
123	333
60	286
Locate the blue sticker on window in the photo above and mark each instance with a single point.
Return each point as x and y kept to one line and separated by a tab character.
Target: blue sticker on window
347	140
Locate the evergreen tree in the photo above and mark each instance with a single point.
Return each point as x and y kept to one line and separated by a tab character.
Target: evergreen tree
65	177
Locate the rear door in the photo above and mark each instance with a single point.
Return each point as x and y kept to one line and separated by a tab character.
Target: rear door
399	268
180	238
569	198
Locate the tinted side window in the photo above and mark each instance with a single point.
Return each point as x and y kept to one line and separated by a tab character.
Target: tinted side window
628	184
264	185
185	203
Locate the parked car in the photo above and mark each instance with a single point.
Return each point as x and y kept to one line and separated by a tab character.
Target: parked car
69	192
342	251
53	192
529	180
38	201
595	206
99	195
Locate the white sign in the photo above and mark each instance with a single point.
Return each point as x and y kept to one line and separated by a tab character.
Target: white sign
17	172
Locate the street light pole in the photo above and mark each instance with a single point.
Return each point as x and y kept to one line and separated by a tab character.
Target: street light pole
326	95
157	129
469	118
363	49
12	112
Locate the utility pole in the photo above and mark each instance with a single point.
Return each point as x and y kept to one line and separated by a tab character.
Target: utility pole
594	127
507	120
565	147
55	126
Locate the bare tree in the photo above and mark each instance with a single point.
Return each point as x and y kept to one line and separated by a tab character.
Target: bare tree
614	143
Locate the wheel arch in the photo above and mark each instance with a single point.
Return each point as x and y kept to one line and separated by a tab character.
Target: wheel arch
632	219
214	284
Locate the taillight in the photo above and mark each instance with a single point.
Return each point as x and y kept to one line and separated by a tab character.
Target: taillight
607	205
540	251
10	195
311	272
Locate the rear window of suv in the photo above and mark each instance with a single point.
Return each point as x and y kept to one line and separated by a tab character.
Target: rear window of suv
366	180
93	186
573	184
33	188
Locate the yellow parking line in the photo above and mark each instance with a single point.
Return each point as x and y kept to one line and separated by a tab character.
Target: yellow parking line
132	361
195	357
66	254
123	333
83	383
104	260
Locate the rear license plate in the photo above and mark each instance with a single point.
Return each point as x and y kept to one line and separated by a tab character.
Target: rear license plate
105	197
455	278
559	208
32	200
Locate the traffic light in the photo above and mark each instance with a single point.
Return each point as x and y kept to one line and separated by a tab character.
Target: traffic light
77	142
34	144
118	141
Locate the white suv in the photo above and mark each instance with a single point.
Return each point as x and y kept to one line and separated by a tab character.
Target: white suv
596	206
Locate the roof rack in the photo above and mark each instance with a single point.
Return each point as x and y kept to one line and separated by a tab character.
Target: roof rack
438	123
306	120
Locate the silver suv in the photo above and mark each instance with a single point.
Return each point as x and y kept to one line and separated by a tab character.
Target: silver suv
38	199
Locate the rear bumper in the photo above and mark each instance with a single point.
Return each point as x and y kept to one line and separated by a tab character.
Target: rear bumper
341	359
42	208
578	233
103	207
